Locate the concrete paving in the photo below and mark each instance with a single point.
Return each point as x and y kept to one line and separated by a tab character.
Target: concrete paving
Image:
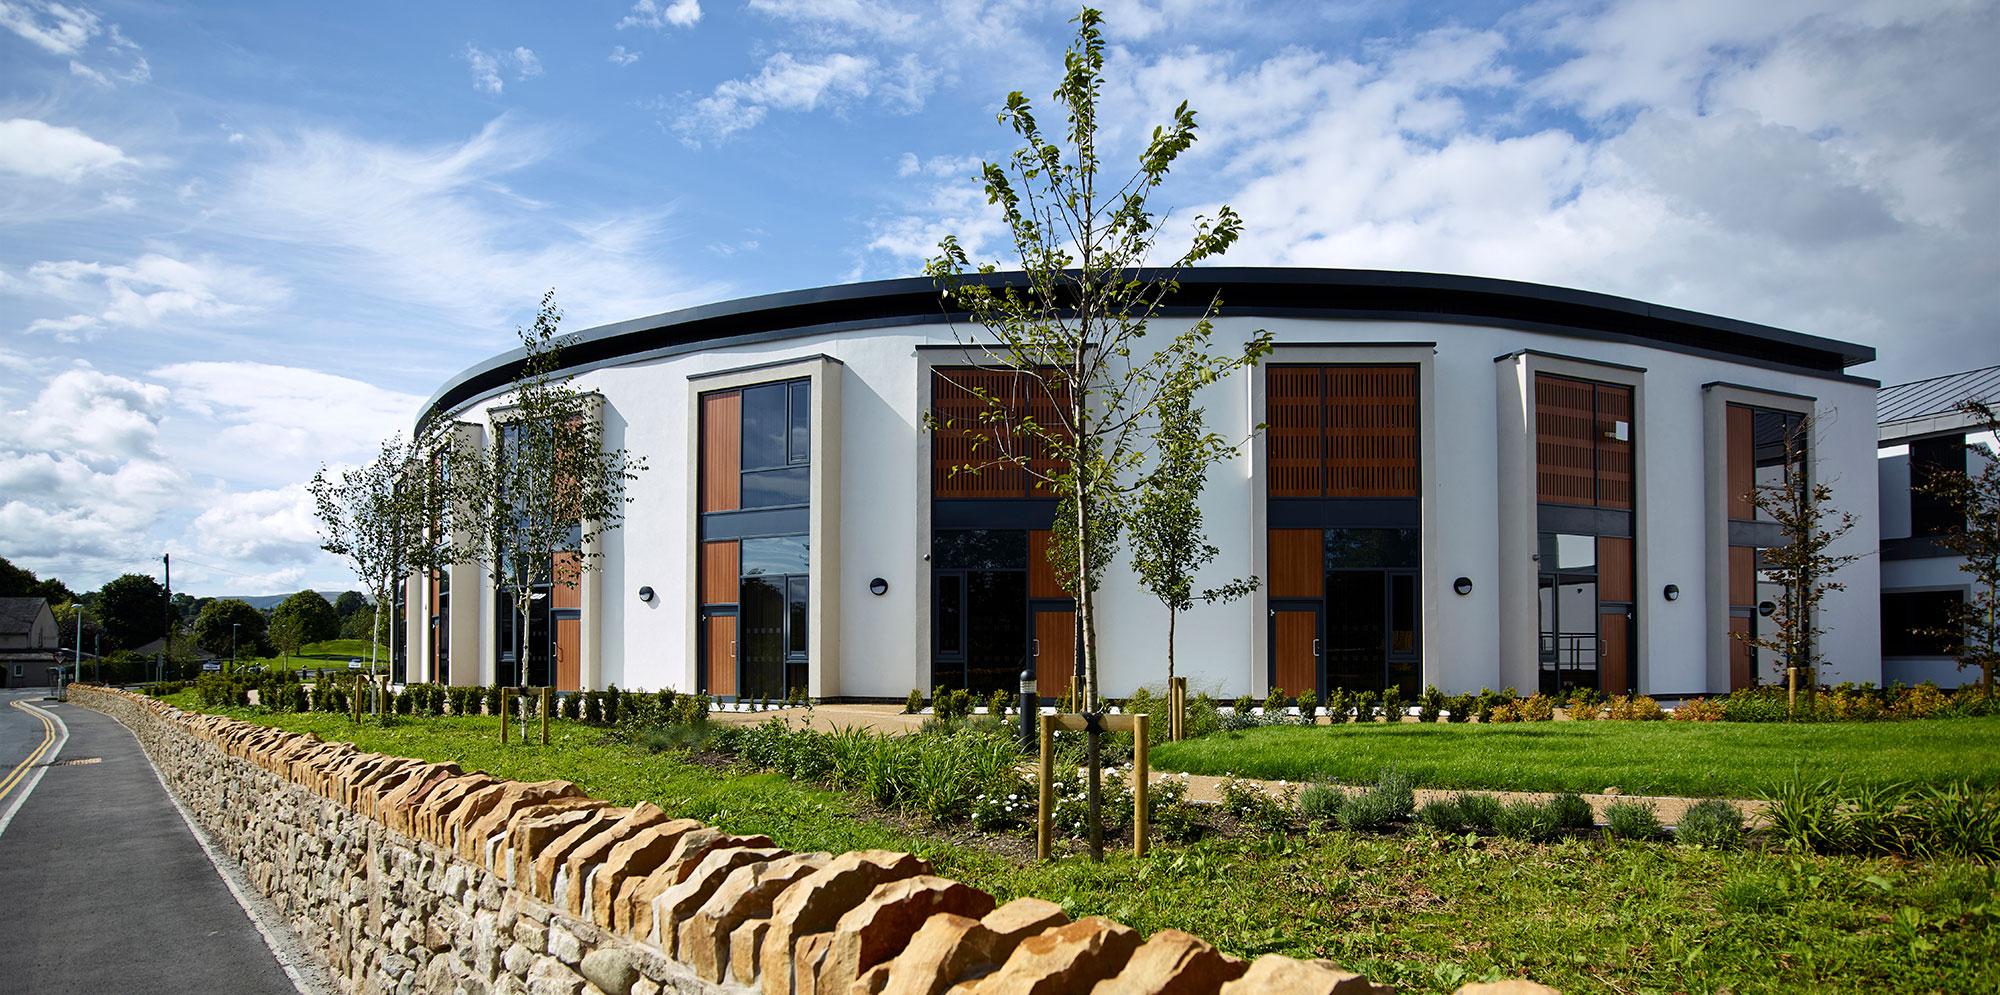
107	889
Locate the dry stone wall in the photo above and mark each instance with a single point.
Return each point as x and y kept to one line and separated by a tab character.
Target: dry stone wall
406	876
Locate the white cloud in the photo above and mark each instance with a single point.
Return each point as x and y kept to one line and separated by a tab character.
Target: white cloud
656	15
489	67
620	57
49	151
94	416
293	417
153	289
435	226
849	16
56	28
272	528
785	83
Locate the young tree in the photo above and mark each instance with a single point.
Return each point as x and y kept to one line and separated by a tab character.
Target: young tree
376	516
1169	546
288	633
547	484
1074	327
1973	627
1810	525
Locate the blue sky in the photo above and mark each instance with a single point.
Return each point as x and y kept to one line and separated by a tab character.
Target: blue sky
240	239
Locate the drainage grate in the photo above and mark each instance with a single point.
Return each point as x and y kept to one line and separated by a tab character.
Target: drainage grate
78	762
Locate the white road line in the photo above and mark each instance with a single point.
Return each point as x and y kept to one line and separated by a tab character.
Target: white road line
27	787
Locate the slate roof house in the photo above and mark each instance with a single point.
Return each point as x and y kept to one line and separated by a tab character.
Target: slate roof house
27	641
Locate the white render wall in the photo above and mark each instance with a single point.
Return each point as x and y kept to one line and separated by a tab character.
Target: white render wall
885	499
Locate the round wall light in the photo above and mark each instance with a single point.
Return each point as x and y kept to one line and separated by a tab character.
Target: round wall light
646	595
878	587
1673	592
1765	608
1463	586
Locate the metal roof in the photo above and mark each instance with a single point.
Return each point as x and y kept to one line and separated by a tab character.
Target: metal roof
1245	291
1937	395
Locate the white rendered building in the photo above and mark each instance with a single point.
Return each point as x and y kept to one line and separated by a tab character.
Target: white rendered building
1464	482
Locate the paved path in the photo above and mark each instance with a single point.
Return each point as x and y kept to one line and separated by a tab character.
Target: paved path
106	887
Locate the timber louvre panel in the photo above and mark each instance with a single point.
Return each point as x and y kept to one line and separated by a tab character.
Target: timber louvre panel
1614	455
1293	409
1371	431
979	440
1565	447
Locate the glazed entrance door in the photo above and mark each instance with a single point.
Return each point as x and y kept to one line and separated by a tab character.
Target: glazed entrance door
1295	648
1053	648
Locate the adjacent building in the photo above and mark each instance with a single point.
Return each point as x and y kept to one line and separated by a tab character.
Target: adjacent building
1459	481
1922	432
28	642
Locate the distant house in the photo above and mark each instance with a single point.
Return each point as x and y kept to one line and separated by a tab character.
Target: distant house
27	641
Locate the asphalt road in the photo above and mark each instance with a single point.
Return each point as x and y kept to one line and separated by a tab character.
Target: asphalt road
104	887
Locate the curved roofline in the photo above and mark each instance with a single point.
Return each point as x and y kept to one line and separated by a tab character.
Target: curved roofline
1260	291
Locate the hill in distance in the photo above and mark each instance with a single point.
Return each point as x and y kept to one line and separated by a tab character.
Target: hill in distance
266	602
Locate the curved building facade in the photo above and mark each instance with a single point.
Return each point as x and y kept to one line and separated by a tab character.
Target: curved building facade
1461	482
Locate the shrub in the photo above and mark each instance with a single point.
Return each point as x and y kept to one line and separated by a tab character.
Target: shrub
1503	713
1527	820
914	703
997	705
1430	705
1320	802
1367	812
1337	703
1274	705
612	700
1755	704
1572	812
1711	823
1632	820
1240	795
1459	708
1398	790
1170	814
1924	701
1241	705
1536	708
1481	812
1700	710
1635	708
1392	704
1364	706
993	810
1442	815
1203	717
1483	707
1308	709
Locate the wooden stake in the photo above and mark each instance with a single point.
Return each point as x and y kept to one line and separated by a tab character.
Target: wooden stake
545	716
1140	785
1045	782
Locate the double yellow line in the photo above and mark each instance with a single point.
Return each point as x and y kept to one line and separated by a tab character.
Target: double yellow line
20	771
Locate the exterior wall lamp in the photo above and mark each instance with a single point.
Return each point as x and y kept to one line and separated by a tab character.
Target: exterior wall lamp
646	595
1463	586
1765	608
878	587
1673	592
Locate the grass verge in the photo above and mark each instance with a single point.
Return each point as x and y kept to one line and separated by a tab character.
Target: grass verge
1695	759
1423	912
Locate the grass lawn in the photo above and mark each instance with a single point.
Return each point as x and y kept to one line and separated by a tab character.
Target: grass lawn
1421	912
1727	759
331	653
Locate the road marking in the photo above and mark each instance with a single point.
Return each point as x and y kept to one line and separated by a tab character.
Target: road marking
56	733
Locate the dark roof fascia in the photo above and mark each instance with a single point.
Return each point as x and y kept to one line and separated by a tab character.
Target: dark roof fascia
1275	292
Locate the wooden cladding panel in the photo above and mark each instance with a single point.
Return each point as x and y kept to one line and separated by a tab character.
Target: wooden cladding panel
1294	432
1043	580
721	451
1371	431
1294	660
1741	462
720	566
1614	569
1614	455
1298	563
1742	655
1048	408
972	434
1742	575
1055	652
1565	441
567	590
720	636
569	654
